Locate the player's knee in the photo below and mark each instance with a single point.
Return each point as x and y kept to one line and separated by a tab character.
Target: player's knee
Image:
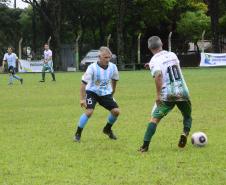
115	112
155	120
89	112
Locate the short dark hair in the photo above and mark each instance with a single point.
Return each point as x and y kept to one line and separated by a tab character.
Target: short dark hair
46	44
10	47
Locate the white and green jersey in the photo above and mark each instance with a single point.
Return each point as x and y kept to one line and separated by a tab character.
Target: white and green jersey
174	87
48	56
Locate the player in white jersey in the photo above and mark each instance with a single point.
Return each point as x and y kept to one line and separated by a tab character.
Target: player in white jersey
99	85
171	90
11	59
48	63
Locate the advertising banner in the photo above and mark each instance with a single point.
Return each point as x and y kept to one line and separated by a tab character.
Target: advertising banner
213	59
31	66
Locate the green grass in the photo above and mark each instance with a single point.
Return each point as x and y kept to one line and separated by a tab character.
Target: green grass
37	122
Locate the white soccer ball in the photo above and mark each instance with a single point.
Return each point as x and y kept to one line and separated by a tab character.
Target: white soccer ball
199	139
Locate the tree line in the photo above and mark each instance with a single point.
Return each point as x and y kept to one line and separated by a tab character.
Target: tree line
94	20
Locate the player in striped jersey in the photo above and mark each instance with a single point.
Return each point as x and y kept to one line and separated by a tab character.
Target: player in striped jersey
171	90
99	85
10	58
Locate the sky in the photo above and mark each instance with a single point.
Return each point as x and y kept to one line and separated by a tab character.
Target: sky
19	4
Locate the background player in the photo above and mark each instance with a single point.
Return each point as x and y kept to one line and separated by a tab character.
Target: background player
98	85
48	63
171	90
10	58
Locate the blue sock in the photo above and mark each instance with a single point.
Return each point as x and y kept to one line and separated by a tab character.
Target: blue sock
10	79
83	120
17	77
112	119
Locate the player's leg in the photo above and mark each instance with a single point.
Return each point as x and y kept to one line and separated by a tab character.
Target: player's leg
185	108
10	79
112	118
43	74
91	103
17	77
10	71
158	112
110	104
52	74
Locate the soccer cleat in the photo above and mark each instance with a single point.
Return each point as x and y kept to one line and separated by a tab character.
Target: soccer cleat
53	80
143	149
77	138
183	141
42	81
110	133
21	81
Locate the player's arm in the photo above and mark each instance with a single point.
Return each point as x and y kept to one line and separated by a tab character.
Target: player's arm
113	83
83	94
3	65
158	84
86	78
114	79
49	58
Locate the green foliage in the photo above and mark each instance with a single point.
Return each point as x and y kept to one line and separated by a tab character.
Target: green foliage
38	121
192	24
222	22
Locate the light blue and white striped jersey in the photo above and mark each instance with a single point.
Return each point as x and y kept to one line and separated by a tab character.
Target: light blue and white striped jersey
98	79
11	59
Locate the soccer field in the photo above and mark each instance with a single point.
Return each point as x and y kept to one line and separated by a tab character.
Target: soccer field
37	123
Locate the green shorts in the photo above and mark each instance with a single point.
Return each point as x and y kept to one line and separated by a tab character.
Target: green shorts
165	107
47	68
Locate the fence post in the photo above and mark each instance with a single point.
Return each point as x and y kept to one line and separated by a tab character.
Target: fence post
203	35
108	40
169	41
138	48
77	52
20	49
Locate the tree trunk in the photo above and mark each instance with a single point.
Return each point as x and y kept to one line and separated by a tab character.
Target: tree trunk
55	17
121	8
214	14
34	46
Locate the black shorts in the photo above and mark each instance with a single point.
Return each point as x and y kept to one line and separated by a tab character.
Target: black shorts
107	101
12	70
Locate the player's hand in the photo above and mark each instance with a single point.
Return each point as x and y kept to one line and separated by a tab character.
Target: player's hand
146	65
83	103
158	100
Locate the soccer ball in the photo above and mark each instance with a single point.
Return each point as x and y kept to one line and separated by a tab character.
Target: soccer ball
199	139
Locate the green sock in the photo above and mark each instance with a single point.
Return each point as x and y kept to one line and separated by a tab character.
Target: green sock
150	131
187	124
43	76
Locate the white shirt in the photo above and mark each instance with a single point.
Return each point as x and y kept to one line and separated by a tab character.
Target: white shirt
47	55
174	87
11	59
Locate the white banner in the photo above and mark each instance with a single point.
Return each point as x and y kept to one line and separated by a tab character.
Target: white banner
31	66
213	59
